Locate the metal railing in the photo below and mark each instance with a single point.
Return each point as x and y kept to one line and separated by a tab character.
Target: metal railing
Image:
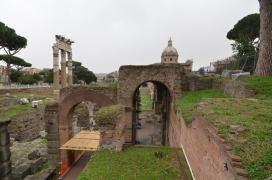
21	86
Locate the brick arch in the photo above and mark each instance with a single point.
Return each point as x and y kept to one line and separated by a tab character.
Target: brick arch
164	96
71	97
155	82
68	100
130	77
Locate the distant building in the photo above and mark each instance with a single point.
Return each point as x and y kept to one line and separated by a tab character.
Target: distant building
100	77
111	77
31	70
107	78
169	54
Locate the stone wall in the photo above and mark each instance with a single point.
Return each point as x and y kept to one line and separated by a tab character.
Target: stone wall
38	90
200	83
207	154
27	125
52	129
113	138
85	90
5	163
233	88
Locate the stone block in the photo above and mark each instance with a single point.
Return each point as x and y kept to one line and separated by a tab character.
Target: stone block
36	165
243	74
19	173
5	169
52	151
241	172
53	144
34	155
235	158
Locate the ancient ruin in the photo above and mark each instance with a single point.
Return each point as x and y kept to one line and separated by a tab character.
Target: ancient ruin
127	122
61	77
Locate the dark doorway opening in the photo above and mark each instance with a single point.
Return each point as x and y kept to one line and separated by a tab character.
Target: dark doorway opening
151	103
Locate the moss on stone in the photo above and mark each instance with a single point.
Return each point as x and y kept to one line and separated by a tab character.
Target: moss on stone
106	116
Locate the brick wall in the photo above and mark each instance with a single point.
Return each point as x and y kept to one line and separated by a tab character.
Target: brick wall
204	149
234	88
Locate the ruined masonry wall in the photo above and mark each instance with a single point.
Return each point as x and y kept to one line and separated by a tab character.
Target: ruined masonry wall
27	125
204	150
233	88
5	163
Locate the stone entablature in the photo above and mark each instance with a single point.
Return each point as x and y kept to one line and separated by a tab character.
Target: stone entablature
63	43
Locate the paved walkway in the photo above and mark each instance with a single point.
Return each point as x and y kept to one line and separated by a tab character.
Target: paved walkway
150	131
78	167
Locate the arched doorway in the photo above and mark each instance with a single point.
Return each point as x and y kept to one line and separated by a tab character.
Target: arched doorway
69	100
151	104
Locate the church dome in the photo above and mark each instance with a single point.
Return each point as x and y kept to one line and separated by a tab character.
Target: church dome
169	54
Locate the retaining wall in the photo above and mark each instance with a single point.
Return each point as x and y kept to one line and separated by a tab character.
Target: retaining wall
205	150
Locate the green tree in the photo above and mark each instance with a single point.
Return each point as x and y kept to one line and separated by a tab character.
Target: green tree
47	76
17	62
11	43
82	73
245	35
15	75
27	79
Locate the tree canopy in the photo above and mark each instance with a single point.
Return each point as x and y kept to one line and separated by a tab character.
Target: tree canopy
16	61
10	41
82	73
246	29
246	33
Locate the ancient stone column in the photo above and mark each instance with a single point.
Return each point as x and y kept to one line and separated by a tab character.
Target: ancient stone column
63	69
70	69
56	79
5	163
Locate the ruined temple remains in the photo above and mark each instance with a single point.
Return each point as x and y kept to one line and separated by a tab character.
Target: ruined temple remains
62	79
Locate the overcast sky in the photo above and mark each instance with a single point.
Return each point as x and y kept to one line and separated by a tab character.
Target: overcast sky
111	33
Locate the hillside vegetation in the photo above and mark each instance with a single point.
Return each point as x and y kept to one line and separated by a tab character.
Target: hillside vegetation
245	123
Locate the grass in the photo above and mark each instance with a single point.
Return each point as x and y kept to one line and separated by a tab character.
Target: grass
261	85
107	115
135	163
254	143
12	111
101	86
146	102
188	102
